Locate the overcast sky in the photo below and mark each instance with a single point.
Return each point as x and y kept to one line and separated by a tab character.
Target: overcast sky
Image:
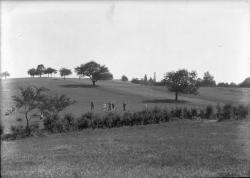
131	38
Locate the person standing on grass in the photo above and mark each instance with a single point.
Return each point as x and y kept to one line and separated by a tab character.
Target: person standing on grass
113	106
109	106
92	106
124	106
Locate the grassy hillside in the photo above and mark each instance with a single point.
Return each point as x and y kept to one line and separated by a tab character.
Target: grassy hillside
180	148
136	96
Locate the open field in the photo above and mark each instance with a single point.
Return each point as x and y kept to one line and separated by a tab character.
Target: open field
181	149
136	96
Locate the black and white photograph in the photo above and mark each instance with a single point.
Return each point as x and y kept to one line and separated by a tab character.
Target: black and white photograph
125	88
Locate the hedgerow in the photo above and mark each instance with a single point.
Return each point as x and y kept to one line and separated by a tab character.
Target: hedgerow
69	122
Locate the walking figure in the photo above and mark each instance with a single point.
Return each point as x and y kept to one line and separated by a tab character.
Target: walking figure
124	106
92	106
109	106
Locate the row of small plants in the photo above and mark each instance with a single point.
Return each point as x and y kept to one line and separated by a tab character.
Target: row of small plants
57	124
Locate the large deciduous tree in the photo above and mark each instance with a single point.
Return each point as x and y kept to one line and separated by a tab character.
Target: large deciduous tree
182	81
29	100
94	71
64	72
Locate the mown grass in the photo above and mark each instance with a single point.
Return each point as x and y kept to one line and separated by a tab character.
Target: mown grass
182	148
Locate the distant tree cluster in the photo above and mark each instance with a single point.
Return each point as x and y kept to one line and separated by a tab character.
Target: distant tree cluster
225	84
41	70
90	69
144	80
207	80
5	74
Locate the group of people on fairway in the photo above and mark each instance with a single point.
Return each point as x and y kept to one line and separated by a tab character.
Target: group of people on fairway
108	106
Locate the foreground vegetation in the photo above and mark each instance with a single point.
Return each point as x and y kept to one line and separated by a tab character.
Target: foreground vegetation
183	149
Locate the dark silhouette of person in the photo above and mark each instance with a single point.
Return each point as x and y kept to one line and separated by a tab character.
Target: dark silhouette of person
124	106
113	106
109	106
92	106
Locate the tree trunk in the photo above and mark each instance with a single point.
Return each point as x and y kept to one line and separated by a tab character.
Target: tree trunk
93	83
176	96
64	77
27	123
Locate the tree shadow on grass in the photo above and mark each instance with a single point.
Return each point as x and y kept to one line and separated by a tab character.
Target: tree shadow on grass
78	86
164	101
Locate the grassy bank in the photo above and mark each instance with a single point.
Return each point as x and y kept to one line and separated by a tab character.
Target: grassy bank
181	148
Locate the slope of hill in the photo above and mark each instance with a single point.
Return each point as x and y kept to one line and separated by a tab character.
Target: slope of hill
245	83
136	96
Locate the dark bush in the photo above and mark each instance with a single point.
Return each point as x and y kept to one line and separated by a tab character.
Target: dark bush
9	136
19	119
20	131
127	118
202	114
227	112
177	112
69	122
194	112
242	111
218	111
1	129
209	111
187	113
85	121
165	116
53	124
111	119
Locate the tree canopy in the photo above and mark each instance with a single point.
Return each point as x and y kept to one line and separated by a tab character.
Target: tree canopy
208	80
49	71
64	72
32	72
29	100
182	81
40	69
124	78
94	71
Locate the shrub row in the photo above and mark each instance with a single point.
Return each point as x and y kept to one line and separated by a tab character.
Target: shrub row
113	119
145	117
